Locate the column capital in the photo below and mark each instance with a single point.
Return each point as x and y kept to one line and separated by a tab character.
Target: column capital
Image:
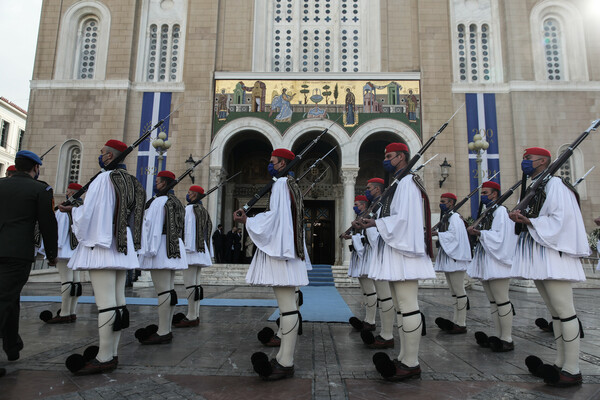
348	175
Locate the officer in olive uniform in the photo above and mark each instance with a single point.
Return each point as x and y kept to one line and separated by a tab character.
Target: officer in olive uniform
30	201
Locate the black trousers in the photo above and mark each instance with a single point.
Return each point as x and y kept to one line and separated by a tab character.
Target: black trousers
14	273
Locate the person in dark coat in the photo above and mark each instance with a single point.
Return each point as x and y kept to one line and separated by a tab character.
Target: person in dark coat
30	201
218	239
237	245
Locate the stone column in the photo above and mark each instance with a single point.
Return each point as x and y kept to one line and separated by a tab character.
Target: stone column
213	203
348	176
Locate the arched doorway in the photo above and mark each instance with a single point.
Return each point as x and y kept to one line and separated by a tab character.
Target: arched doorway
371	158
320	198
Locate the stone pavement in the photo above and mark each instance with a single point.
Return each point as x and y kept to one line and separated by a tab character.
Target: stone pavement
212	361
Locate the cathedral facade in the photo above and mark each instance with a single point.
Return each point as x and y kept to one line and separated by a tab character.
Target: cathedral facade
254	75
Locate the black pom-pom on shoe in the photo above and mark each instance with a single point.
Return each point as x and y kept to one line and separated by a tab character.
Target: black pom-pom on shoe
444	324
482	339
367	337
384	365
90	353
356	323
261	364
177	318
549	373
533	364
75	362
265	335
46	315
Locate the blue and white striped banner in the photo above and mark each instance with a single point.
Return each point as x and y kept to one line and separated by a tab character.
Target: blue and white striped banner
481	119
155	106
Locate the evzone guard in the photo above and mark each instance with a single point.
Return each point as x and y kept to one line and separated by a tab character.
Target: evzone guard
70	283
453	257
492	260
359	268
108	227
552	239
281	261
403	257
197	231
385	338
163	252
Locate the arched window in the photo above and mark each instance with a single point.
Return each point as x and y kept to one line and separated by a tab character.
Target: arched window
558	42
87	51
316	36
477	54
573	169
83	42
163	53
69	165
161	42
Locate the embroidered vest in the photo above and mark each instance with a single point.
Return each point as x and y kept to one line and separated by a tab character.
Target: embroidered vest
203	227
129	210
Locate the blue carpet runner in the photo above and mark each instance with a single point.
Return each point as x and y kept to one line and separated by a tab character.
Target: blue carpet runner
321	304
321	275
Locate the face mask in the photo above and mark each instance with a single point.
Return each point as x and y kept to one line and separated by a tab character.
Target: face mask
527	167
485	200
272	170
369	195
187	198
444	207
356	210
387	165
37	174
100	162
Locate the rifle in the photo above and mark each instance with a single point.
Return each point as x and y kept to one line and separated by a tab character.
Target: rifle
315	182
317	161
420	167
218	186
496	203
375	206
49	150
283	172
545	176
174	183
583	177
117	160
458	205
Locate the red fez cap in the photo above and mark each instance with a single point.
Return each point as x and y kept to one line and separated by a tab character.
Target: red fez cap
396	147
11	168
197	189
283	153
449	196
166	174
491	184
116	144
537	151
361	198
376	180
74	186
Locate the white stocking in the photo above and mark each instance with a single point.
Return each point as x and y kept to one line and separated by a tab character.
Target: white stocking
405	293
66	275
120	295
368	288
164	281
289	324
75	299
499	289
386	309
556	327
104	285
191	278
493	307
561	296
456	282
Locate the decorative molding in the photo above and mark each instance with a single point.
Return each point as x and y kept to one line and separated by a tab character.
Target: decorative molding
251	76
87	84
527	86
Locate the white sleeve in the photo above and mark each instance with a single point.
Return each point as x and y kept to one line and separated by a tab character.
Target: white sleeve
455	241
500	241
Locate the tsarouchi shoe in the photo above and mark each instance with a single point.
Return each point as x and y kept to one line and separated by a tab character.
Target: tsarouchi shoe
96	367
155	338
500	346
186	323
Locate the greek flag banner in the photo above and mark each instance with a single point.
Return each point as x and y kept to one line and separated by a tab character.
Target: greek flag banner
481	120
155	106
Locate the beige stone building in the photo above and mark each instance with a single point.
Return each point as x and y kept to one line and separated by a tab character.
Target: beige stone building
254	75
